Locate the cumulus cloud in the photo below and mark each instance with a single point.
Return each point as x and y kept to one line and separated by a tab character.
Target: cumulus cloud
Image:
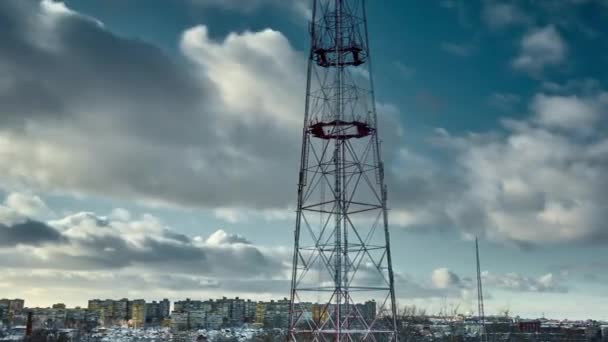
86	241
538	181
92	113
205	133
444	278
136	254
570	112
26	204
540	48
197	134
220	237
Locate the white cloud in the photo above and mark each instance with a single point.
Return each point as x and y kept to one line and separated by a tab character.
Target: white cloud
111	135
26	204
18	207
86	253
444	278
131	123
540	48
570	112
250	70
536	182
220	237
120	214
498	15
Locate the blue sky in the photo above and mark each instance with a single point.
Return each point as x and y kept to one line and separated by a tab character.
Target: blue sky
495	115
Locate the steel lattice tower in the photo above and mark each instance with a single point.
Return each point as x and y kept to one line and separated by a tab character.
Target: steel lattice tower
342	252
480	309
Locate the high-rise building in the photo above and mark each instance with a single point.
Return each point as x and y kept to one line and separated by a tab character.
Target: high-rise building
13	306
3	315
165	308
156	312
273	314
138	313
180	320
111	312
120	310
250	311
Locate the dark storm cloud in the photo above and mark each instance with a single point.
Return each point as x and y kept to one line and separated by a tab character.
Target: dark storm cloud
31	233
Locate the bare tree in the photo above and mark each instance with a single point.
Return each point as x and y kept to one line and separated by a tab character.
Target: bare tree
410	318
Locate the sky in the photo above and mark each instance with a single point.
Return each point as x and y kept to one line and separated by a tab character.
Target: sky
150	149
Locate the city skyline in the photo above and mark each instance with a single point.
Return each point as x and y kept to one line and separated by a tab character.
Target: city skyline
152	152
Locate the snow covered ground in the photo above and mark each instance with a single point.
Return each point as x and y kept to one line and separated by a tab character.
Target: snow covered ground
164	334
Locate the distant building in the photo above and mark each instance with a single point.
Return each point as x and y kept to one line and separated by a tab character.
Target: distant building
528	326
250	311
137	310
165	308
273	314
13	306
197	319
120	311
156	312
180	320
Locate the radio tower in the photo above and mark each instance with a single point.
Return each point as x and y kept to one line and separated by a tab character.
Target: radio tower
481	314
342	285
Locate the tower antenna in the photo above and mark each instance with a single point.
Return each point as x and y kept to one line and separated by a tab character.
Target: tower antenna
342	256
481	314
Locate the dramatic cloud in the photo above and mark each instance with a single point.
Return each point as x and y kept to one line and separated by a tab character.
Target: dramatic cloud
540	48
89	112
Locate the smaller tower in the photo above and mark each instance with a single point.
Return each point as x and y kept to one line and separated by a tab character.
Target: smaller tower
480	313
